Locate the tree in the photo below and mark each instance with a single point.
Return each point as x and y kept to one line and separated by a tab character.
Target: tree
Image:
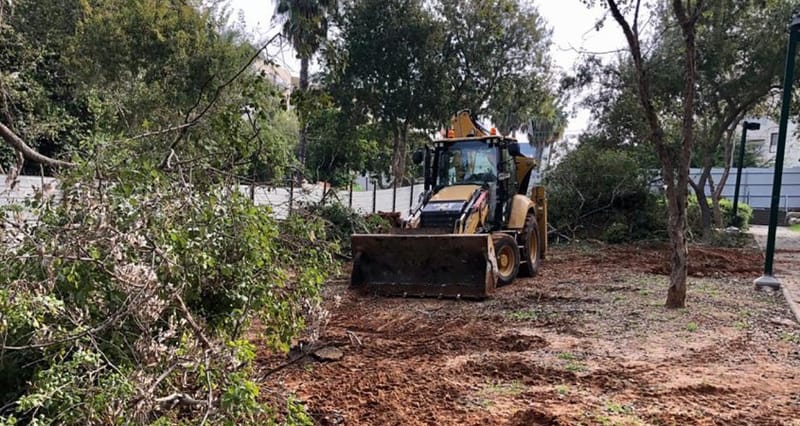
387	67
130	297
675	157
306	27
339	144
742	63
496	55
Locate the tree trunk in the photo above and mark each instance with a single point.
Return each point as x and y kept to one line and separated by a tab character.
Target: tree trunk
702	201
676	294
399	153
674	164
302	137
716	192
717	214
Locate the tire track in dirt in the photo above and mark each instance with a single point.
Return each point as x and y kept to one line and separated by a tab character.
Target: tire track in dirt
585	342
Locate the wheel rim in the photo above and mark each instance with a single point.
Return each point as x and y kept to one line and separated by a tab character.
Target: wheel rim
532	249
505	261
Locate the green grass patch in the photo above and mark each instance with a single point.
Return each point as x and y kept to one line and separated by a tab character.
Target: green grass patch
524	315
617	408
566	356
791	337
795	228
562	390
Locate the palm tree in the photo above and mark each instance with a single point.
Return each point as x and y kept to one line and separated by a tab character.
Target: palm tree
306	26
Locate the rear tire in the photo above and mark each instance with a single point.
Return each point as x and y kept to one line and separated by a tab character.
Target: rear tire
507	253
530	240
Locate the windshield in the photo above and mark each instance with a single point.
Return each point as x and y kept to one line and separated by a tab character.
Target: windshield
467	162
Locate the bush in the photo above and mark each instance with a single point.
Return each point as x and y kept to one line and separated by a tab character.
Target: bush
129	299
616	233
694	216
341	222
598	192
743	211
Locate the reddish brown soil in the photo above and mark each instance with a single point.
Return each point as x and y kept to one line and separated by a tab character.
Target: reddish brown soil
586	342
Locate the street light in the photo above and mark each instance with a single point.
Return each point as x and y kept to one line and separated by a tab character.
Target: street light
768	279
747	125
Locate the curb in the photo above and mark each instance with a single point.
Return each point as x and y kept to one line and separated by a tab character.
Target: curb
793	306
787	295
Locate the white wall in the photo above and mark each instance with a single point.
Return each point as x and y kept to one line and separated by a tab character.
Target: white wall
756	187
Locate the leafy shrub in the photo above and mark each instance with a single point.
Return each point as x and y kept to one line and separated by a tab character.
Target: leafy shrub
593	189
694	216
128	299
616	233
341	222
743	211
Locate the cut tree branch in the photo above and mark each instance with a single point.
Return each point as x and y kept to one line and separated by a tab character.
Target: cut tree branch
29	153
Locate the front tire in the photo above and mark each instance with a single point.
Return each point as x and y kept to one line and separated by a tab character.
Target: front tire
507	253
531	247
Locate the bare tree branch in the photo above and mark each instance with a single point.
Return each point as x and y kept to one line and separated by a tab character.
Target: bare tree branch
29	153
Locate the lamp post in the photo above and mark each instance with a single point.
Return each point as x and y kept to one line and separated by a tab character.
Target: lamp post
747	125
768	279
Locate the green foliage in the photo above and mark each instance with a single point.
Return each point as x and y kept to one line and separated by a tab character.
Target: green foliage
305	23
38	99
616	233
341	222
694	217
740	62
386	69
743	211
338	144
121	278
135	295
499	68
601	192
112	69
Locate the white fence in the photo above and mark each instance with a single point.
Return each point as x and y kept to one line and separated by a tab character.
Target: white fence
280	199
756	190
381	200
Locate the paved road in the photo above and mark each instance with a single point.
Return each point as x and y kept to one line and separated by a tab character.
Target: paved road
787	261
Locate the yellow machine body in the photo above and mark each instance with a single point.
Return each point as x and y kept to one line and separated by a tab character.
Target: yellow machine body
476	215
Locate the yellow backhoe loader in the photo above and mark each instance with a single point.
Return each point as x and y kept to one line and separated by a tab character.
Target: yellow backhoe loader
477	226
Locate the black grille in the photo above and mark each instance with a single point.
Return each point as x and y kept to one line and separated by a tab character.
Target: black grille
445	220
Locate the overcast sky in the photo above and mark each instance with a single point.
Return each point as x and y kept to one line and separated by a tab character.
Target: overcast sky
572	24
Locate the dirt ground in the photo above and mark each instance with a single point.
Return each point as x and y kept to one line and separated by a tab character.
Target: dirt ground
588	342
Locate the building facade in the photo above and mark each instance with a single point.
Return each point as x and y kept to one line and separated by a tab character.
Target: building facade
764	142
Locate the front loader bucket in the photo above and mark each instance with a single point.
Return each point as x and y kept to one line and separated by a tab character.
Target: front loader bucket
441	265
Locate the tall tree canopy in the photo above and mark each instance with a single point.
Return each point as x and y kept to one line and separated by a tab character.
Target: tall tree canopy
306	26
410	64
387	66
740	65
496	54
77	71
695	69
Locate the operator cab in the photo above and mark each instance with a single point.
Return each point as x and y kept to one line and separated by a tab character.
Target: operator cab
466	163
458	170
